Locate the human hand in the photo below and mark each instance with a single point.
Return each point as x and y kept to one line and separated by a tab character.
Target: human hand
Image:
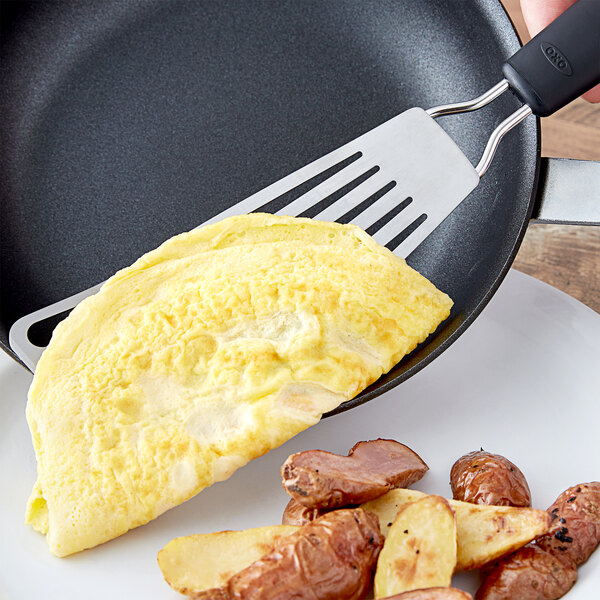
540	13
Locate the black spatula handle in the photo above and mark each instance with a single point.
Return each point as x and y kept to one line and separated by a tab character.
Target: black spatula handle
561	62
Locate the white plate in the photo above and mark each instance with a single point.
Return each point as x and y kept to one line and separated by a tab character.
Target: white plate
522	381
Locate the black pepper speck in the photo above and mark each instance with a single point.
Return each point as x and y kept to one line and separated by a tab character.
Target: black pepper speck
562	535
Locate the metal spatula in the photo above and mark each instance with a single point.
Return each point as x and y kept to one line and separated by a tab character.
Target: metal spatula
400	180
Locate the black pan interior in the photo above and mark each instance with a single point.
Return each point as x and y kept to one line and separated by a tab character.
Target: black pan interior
126	122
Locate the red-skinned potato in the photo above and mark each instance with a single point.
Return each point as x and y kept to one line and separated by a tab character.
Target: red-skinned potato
481	477
530	573
434	593
576	531
331	558
319	479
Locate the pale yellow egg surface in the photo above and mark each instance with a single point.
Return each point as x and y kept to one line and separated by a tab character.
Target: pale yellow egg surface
207	352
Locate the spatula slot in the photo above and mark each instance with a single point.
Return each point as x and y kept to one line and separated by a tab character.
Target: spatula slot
389	216
321	205
406	232
283	200
39	333
351	214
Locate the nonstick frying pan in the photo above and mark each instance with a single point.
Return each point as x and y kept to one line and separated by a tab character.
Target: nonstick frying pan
126	122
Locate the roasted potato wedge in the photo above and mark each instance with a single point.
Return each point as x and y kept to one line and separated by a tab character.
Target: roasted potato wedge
530	573
319	479
420	549
485	533
387	506
481	477
332	557
204	561
434	593
576	530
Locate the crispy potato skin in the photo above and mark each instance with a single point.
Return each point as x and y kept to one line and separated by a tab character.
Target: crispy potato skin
531	573
298	514
331	558
484	478
576	529
434	593
319	479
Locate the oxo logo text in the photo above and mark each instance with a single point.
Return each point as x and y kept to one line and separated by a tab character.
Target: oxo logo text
556	58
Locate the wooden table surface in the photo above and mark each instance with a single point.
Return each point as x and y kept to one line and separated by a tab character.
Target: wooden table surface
565	256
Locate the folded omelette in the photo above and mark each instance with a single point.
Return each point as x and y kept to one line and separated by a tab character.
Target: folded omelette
207	352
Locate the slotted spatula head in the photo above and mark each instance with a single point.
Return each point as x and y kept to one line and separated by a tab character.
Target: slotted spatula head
398	181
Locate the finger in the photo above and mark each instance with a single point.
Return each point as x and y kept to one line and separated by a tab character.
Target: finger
593	95
540	13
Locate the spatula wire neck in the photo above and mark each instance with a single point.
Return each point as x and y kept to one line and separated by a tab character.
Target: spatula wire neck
477	103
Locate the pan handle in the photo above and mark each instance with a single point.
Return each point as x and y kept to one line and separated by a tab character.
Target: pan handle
561	62
568	192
